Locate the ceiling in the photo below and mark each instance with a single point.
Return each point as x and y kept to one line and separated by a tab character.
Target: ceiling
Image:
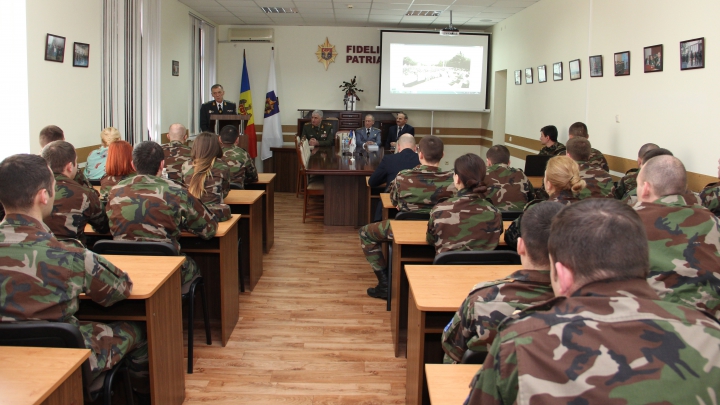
467	14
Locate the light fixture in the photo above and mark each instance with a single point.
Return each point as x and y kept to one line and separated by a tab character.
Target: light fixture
279	10
422	13
450	30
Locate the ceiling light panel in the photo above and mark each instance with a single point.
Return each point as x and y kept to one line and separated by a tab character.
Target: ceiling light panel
423	13
279	10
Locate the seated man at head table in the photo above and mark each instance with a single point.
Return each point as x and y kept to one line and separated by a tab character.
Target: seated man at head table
75	206
47	286
318	133
53	133
684	238
596	158
404	158
629	181
401	127
242	166
218	105
549	141
368	134
149	208
606	337
509	188
418	189
710	196
598	182
476	322
176	152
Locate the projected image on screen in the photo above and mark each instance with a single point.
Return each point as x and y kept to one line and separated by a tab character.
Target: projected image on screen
435	69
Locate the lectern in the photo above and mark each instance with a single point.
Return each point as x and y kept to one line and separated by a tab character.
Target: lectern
218	121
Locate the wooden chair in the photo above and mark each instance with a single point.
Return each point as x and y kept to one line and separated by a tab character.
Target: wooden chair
300	187
313	187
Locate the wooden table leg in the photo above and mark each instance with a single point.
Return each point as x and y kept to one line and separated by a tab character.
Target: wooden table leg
395	298
229	296
254	242
415	353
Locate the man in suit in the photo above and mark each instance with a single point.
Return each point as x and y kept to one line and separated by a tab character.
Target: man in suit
216	106
401	128
368	134
404	158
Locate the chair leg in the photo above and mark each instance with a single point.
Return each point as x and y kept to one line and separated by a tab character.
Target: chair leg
108	381
128	386
389	277
191	321
240	273
305	206
206	313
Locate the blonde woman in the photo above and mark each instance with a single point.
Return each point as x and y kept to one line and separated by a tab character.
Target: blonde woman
95	167
207	176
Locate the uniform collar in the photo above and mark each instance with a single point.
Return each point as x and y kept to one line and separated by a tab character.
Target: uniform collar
675	200
61	178
25	220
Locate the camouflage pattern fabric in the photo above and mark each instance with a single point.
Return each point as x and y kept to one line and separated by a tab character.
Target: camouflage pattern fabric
596	159
150	208
627	183
564	197
464	222
476	322
111	342
610	342
217	187
371	237
75	206
598	182
242	166
323	133
83	181
691	198
176	154
108	182
684	246
710	197
509	188
556	149
421	188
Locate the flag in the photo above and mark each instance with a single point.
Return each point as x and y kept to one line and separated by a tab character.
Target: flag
245	108
272	126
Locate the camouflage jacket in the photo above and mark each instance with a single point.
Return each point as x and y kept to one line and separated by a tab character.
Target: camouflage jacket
508	187
627	183
684	252
464	222
323	133
710	197
83	181
564	197
41	277
217	187
421	188
242	166
596	159
475	324
108	182
691	198
555	150
598	182
609	342
176	154
75	206
150	208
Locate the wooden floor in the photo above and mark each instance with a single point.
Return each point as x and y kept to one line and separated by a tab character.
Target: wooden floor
308	333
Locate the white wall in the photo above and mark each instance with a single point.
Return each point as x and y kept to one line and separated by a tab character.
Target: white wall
14	107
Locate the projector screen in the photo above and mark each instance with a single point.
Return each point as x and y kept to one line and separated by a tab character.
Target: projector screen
428	71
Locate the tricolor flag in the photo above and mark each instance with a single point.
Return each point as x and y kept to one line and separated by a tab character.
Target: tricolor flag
272	127
245	108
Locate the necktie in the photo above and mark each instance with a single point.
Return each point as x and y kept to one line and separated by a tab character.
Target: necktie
220	108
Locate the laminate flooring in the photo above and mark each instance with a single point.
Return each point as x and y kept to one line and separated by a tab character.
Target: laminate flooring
308	333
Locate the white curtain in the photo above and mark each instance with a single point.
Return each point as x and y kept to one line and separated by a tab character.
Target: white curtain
203	66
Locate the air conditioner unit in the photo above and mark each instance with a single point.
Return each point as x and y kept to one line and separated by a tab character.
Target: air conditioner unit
250	35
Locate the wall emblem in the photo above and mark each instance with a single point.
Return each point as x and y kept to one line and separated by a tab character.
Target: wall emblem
326	53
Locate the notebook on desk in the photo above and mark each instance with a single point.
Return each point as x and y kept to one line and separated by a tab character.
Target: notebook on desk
535	164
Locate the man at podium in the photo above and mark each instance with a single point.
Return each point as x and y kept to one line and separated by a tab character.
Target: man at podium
216	106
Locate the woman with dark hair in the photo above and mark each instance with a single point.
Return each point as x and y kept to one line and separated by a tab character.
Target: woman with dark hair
466	221
207	176
118	167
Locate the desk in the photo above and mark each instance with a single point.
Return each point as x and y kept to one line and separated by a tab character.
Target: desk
436	293
449	384
388	208
40	375
536	181
266	183
249	204
156	301
284	162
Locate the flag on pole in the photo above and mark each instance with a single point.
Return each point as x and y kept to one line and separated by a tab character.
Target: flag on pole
272	126
245	108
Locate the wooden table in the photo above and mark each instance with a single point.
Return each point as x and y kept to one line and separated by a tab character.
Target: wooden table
249	203
284	162
388	208
156	301
536	181
41	375
436	293
266	183
449	384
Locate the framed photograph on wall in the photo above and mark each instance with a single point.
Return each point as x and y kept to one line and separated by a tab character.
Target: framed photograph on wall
692	54
175	68
596	66
557	71
653	58
81	54
55	48
575	69
528	76
622	63
518	78
542	75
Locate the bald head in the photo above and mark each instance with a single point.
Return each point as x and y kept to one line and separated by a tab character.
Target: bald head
405	141
177	132
661	176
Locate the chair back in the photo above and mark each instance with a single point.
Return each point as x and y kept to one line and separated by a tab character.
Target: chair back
94	182
478	257
236	186
124	247
510	215
412	216
471	357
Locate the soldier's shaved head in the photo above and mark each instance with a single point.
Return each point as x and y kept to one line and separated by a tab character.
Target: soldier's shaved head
666	175
177	132
147	158
405	141
229	134
579	149
535	231
58	154
35	175
498	154
51	133
432	149
645	148
655	152
578	129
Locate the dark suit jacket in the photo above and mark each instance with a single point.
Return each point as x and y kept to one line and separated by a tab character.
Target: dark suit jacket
391	165
393	135
211	108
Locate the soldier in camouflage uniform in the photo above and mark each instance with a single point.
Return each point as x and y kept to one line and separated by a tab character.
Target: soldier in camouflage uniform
207	176
176	152
242	166
475	324
318	133
47	286
684	240
629	181
53	133
598	182
466	221
710	196
508	188
75	206
596	158
606	337
417	189
147	207
548	138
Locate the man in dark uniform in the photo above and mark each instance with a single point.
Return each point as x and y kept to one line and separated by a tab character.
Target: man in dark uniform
316	132
404	158
402	127
216	106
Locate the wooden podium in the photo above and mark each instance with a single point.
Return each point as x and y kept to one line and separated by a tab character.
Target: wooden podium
218	121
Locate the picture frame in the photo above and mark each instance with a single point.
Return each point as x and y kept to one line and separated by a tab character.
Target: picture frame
621	63
557	71
596	66
175	68
575	72
81	54
653	58
542	74
692	54
528	76
518	77
54	48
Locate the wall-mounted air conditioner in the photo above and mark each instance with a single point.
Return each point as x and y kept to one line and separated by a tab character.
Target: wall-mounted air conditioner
250	35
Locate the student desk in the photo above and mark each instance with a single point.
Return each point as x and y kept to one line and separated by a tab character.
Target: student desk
436	293
41	375
449	384
388	208
409	246
266	183
156	301
249	204
536	181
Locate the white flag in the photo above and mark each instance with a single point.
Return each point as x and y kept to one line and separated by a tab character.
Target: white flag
272	127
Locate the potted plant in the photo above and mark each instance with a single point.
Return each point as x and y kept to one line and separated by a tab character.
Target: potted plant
350	90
